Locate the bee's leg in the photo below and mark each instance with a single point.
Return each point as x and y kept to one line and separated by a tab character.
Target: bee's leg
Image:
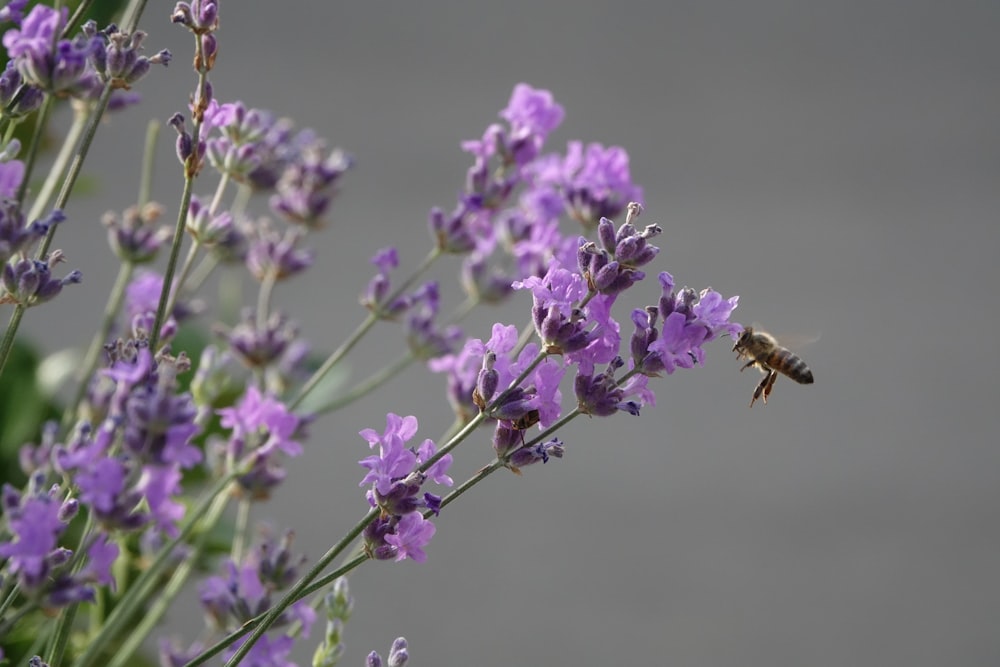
770	384
764	387
748	365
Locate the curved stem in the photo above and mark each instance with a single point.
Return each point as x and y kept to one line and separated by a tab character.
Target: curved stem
295	593
41	123
152	616
369	385
148	154
190	173
319	584
142	587
334	359
240	530
59	166
90	360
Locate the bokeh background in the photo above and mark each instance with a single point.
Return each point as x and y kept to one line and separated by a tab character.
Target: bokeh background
833	163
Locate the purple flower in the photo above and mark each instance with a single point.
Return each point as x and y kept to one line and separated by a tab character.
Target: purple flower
216	230
18	98
426	339
258	412
558	321
596	182
117	56
262	347
15	236
394	460
198	16
412	534
56	65
136	237
689	321
29	282
13	12
533	114
100	557
35	524
254	416
526	456
275	256
308	185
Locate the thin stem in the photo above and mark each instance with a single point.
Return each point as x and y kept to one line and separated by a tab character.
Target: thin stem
190	173
373	382
183	275
142	587
264	298
41	123
73	173
240	532
61	163
76	166
467	430
7	343
295	593
334	359
362	329
148	154
90	360
153	615
319	584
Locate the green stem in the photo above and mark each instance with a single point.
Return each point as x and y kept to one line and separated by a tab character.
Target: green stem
8	336
91	359
156	612
72	174
319	584
362	329
76	165
41	123
373	382
61	163
241	529
148	154
183	276
295	593
190	173
334	359
141	589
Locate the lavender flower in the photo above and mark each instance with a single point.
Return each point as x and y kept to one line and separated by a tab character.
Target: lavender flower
560	324
260	347
248	589
275	256
135	237
596	182
35	521
58	66
13	11
117	56
399	654
17	98
402	531
16	237
29	282
533	114
307	186
689	321
262	427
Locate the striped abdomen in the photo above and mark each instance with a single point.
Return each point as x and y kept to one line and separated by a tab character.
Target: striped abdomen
788	363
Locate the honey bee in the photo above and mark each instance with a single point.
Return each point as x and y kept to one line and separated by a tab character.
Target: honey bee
764	352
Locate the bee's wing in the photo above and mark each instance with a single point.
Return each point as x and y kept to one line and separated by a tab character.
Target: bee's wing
793	341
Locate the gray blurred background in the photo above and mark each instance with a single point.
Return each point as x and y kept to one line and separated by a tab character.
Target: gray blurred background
833	163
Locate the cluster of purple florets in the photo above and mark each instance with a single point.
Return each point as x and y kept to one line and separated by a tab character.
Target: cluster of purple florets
136	435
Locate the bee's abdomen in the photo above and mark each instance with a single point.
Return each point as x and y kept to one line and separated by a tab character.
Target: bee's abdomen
789	363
